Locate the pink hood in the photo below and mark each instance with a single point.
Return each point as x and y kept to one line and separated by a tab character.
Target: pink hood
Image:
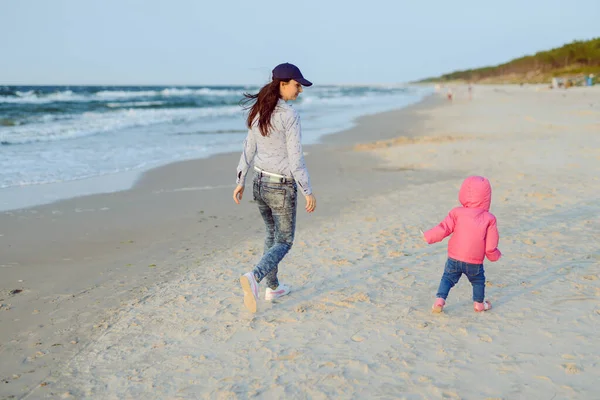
472	226
476	192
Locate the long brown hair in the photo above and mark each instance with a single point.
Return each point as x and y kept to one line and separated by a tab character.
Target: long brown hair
262	105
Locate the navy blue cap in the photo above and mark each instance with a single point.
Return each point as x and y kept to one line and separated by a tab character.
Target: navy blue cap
290	71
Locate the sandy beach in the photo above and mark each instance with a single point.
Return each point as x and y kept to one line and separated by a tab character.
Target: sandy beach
135	294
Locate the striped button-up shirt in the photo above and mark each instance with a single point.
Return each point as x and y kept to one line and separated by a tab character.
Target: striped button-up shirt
280	152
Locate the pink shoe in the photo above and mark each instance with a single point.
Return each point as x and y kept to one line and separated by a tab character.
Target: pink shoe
479	307
438	306
250	288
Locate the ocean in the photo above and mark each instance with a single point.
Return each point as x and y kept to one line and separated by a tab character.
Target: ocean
65	141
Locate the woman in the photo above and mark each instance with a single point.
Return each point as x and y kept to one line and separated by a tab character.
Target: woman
274	145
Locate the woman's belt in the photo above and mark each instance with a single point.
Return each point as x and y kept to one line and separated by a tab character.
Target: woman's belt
271	177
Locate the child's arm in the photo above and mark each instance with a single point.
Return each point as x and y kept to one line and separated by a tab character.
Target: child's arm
445	228
491	241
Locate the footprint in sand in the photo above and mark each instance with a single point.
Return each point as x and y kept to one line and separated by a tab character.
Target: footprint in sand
357	338
328	364
302	308
485	338
293	355
450	395
462	331
571	368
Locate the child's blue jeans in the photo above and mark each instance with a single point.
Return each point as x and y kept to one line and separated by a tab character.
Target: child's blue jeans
452	273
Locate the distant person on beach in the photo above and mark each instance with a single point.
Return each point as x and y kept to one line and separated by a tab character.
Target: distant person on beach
474	236
274	146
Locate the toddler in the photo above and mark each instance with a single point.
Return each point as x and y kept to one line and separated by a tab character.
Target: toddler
474	236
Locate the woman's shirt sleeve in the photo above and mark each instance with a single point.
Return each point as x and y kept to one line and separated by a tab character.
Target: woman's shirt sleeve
293	135
246	158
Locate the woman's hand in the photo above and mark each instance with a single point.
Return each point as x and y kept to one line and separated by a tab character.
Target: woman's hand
311	203
238	192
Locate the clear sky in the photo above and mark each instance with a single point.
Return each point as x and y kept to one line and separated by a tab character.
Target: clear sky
239	41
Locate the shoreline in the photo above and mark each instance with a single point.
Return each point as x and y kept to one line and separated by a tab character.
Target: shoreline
28	196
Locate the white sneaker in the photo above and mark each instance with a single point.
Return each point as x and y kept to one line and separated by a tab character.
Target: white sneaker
250	288
281	290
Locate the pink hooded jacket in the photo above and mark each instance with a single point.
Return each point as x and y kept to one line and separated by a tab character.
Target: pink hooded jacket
473	227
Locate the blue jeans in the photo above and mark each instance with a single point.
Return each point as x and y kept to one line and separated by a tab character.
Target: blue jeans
452	273
277	204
